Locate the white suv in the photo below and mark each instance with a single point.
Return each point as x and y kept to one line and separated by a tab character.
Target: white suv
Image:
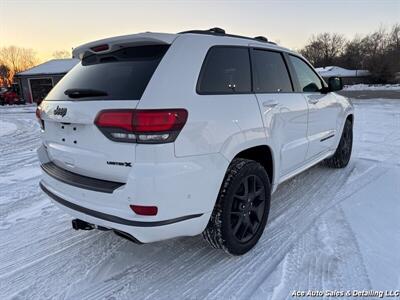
156	136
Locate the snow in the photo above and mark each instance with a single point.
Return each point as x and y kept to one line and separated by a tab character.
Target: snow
372	87
332	71
54	66
328	229
377	245
7	128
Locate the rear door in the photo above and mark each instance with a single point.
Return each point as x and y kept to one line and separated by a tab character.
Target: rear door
323	108
285	113
114	80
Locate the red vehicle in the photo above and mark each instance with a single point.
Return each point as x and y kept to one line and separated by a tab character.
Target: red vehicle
10	96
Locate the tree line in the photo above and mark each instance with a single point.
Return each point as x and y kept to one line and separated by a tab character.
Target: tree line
378	52
15	59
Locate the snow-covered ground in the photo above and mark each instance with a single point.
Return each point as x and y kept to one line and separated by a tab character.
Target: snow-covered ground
328	230
7	128
372	87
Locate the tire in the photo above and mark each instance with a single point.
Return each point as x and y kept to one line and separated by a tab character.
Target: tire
241	211
342	154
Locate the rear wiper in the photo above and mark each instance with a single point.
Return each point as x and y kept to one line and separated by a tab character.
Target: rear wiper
81	93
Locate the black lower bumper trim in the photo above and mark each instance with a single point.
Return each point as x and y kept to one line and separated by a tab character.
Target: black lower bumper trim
112	218
83	182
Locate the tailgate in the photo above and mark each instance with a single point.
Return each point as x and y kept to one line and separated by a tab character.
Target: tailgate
74	143
112	79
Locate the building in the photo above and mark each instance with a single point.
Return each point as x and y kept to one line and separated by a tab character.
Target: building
349	77
35	83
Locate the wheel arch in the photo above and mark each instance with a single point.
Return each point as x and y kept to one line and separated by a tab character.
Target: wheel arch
350	117
262	154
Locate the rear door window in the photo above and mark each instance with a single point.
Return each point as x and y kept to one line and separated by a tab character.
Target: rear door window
226	70
270	72
120	75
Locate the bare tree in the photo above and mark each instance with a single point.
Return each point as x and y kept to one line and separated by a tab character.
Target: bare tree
324	49
352	57
312	51
376	56
4	75
17	59
378	52
394	37
62	54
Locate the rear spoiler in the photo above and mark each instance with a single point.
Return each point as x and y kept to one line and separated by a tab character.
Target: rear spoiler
115	43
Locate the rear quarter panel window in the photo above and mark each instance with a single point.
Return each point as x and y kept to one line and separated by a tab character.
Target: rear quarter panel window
226	70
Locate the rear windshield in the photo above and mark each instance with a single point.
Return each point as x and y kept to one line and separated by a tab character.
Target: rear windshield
120	75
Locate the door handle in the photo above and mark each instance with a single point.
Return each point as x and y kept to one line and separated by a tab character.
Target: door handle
313	100
270	103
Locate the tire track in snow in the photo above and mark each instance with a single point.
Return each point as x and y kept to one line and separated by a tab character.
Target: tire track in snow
289	235
59	265
70	265
225	278
307	267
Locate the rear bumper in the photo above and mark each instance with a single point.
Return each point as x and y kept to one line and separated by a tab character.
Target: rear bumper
143	232
184	190
112	218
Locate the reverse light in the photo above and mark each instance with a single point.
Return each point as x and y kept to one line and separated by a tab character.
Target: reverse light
144	210
151	126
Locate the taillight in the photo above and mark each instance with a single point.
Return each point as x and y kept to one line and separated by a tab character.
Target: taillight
151	126
39	117
115	119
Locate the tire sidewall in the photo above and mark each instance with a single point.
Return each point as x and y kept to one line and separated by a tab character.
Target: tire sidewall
348	127
231	243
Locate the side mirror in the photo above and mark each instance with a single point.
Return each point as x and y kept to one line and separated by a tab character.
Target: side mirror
335	84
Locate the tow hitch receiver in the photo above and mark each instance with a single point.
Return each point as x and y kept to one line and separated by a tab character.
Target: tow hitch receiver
82	225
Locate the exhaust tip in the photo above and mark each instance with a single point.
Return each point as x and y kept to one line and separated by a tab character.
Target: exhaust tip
81	225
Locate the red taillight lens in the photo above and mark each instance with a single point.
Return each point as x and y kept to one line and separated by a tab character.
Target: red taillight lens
115	119
159	120
144	210
142	126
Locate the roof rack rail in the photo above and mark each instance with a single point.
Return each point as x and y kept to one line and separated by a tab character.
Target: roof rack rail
217	30
221	32
214	30
261	38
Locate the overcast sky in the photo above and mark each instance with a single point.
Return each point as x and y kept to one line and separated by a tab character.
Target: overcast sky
50	25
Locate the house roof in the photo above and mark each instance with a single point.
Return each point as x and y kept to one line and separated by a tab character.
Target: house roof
54	66
332	71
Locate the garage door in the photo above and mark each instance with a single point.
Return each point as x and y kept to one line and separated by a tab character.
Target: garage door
40	87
